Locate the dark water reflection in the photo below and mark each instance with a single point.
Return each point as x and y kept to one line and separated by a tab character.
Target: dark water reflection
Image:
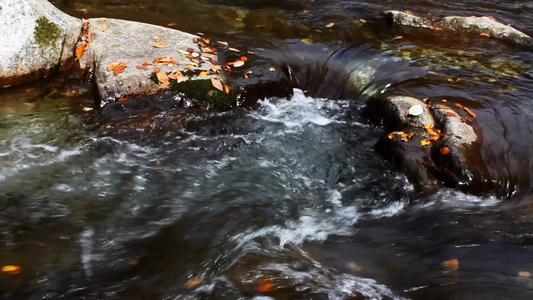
290	192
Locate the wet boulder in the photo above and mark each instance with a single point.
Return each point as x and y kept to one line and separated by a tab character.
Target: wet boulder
430	145
36	39
485	26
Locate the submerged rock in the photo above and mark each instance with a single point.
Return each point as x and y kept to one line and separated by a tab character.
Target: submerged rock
36	39
486	26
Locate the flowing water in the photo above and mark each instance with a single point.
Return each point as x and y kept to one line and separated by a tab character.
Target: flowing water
283	200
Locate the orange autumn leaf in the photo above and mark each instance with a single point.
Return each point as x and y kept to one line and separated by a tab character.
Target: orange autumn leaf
466	120
122	99
272	69
165	60
160	45
264	285
112	66
244	58
430	131
450	114
194	282
226	89
409	12
470	113
80	49
444	150
362	21
392	134
147	63
203	73
246	76
12	269
485	34
158	39
451	264
119	69
206	40
433	138
459	105
142	67
215	67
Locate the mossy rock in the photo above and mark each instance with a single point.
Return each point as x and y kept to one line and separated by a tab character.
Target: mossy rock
46	33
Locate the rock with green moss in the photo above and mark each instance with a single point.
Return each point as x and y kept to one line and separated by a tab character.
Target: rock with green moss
36	40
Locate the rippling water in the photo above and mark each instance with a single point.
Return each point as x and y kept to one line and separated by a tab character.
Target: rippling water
287	200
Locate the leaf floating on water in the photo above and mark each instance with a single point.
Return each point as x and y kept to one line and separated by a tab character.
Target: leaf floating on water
450	114
226	89
470	113
444	150
11	269
194	282
264	285
425	142
362	21
217	84
122	99
272	69
160	45
459	105
524	274
329	25
451	264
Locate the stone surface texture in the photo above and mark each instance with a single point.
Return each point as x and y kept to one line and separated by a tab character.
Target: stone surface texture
487	26
115	40
36	38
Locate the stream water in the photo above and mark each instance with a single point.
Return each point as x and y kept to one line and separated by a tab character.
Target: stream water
285	200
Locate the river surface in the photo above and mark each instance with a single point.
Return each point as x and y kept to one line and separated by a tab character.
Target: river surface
283	200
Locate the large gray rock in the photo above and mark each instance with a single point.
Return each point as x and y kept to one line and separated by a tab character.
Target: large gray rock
135	43
486	26
35	39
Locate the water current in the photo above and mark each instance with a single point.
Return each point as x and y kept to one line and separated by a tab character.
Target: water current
284	200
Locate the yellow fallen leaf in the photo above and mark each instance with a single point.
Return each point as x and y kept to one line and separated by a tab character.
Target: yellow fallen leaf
425	142
451	264
203	73
112	66
12	269
157	39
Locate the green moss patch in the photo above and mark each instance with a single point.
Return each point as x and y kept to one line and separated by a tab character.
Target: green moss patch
46	33
201	91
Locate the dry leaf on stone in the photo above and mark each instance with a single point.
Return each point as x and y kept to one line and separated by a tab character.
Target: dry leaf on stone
157	39
217	84
451	264
160	45
203	73
162	77
142	67
238	63
80	49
